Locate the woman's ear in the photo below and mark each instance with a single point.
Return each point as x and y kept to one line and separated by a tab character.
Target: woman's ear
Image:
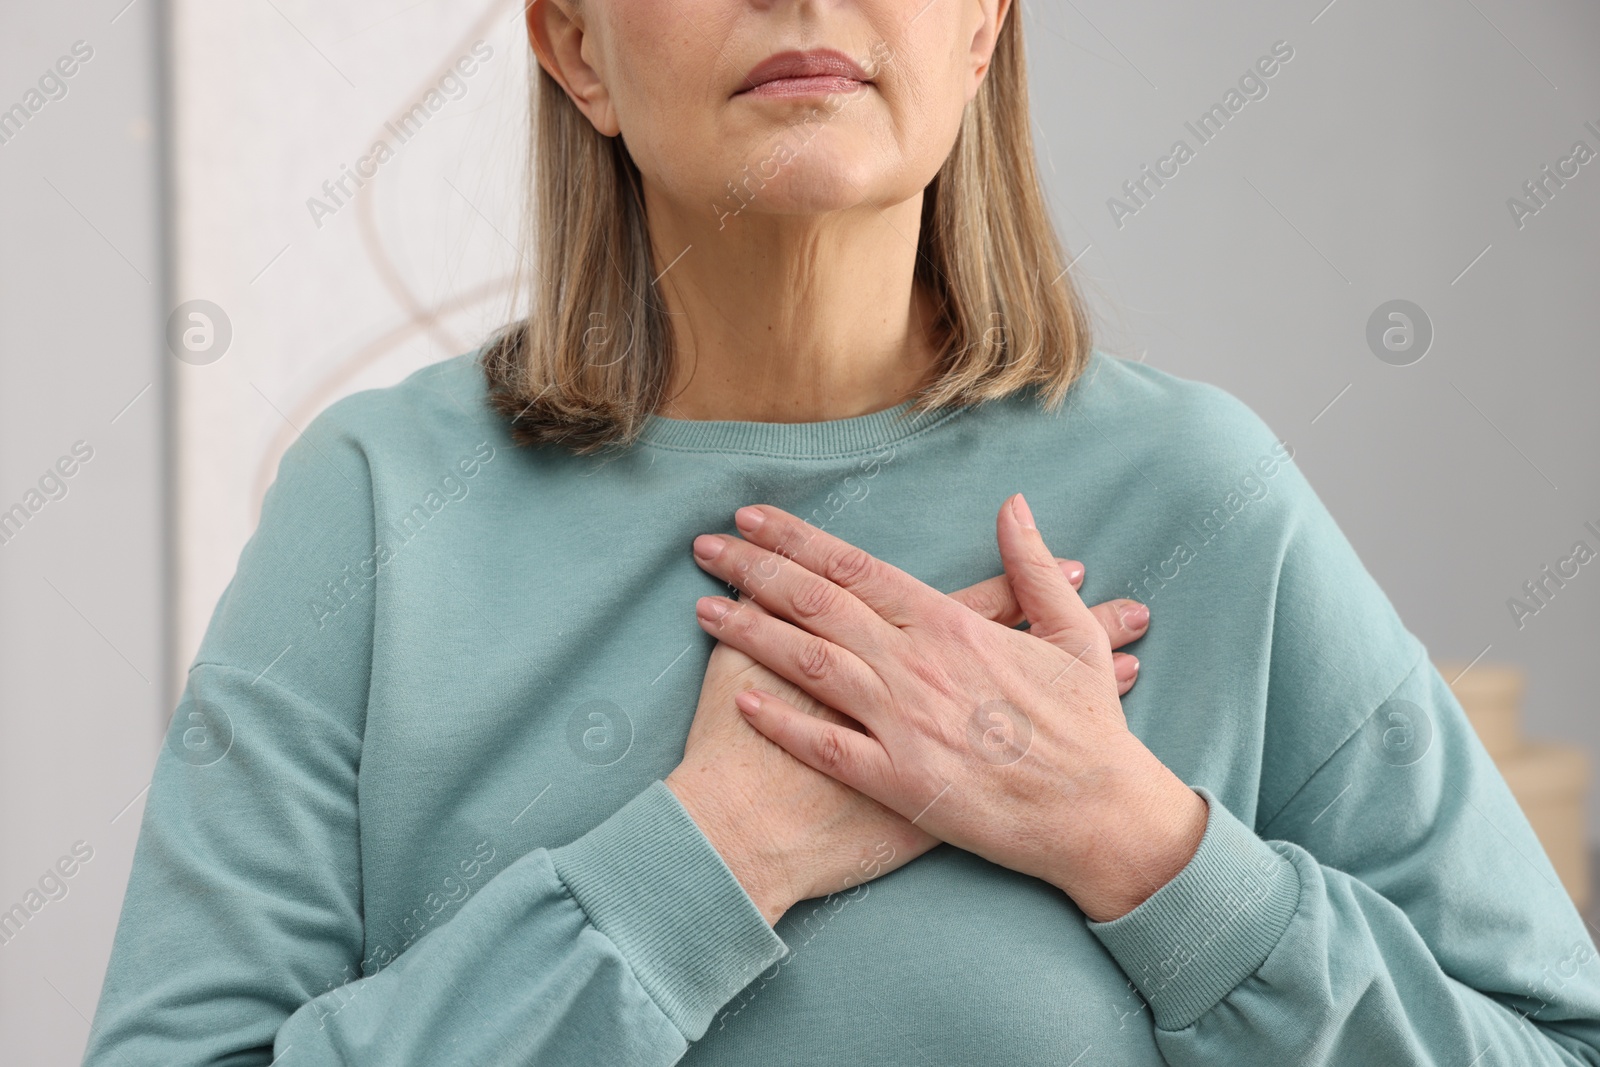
993	13
557	34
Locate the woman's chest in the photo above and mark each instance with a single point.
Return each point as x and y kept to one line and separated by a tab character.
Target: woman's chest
576	671
515	705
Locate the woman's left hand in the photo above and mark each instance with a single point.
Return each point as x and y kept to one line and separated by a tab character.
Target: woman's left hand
1011	747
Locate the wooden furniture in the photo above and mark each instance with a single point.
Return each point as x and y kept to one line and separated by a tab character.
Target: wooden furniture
1550	781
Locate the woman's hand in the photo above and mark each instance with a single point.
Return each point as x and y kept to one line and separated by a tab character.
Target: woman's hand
789	832
1009	744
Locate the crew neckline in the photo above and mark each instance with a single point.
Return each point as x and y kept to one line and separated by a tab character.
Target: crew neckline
829	438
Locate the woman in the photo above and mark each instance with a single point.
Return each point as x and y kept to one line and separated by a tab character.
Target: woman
440	790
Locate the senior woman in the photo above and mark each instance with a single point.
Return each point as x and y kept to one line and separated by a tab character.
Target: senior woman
457	778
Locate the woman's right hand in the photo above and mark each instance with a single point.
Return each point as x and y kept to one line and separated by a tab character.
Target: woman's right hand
786	831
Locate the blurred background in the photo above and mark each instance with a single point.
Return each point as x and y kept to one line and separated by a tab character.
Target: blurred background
1389	246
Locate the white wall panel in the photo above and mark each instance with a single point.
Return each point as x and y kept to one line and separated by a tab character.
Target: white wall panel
272	100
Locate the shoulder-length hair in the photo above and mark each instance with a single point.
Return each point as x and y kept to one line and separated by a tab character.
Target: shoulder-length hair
592	359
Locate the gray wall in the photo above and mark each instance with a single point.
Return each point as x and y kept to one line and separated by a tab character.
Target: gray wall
82	584
1377	167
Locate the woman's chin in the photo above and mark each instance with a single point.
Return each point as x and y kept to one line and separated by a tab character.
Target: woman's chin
820	196
816	180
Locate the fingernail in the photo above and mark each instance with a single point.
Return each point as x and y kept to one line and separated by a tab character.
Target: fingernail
707	546
1073	570
1019	508
710	609
1135	616
1127	667
749	520
748	702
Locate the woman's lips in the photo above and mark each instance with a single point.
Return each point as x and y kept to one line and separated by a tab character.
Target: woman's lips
816	85
819	71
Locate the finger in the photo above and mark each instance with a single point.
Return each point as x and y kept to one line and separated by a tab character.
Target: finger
1048	600
1126	669
843	754
895	595
808	600
994	600
1123	620
832	675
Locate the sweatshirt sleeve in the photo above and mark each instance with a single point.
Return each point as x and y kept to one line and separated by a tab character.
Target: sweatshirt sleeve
242	940
1380	898
1399	910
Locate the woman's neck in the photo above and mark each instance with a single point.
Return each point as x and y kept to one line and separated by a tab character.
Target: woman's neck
795	318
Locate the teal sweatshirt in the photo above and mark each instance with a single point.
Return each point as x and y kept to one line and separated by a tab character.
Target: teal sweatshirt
410	807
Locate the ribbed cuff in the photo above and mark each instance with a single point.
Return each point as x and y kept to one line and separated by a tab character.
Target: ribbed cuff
651	882
1211	927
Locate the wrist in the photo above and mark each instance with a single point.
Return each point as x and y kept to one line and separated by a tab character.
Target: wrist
726	824
1136	837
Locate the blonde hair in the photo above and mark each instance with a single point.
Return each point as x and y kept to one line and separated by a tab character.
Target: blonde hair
593	357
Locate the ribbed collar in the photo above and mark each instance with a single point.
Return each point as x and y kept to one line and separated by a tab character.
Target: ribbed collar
795	440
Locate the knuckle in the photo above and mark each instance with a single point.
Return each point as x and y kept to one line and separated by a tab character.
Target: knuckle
965	628
816	660
831	752
814	600
849	566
